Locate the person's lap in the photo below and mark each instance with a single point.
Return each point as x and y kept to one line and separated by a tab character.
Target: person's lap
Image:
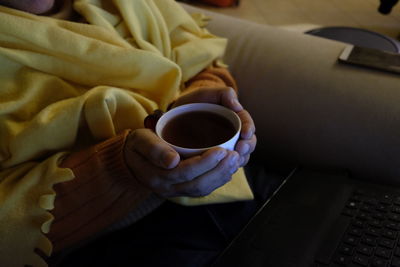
175	235
172	235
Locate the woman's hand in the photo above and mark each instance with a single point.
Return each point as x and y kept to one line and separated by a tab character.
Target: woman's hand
158	167
227	97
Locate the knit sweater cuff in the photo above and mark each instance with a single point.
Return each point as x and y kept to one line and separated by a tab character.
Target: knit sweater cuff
212	77
102	192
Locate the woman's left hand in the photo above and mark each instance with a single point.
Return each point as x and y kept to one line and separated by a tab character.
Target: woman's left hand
226	96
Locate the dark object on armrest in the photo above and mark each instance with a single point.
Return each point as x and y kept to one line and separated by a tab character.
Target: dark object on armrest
386	6
359	37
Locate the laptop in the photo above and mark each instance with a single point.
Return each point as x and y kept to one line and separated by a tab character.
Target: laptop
321	219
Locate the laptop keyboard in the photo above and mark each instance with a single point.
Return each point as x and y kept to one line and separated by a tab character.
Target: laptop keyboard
372	236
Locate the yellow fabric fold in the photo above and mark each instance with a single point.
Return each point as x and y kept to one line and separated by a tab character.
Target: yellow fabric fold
65	85
236	190
23	217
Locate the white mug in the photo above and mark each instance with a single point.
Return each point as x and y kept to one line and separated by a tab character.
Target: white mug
220	110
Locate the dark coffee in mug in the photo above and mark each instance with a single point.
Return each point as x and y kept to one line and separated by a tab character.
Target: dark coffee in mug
198	129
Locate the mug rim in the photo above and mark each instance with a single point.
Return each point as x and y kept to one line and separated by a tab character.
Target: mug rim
234	118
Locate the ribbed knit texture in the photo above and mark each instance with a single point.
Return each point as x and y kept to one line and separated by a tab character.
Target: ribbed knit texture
212	77
102	192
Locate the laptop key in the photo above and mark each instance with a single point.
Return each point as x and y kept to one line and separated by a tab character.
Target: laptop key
350	240
382	252
372	231
386	243
341	259
368	240
379	215
386	199
358	223
375	223
355	231
366	250
396	209
346	249
389	234
362	216
377	262
392	225
361	260
366	208
382	207
352	205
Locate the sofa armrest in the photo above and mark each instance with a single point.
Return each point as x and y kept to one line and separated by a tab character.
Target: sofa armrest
309	108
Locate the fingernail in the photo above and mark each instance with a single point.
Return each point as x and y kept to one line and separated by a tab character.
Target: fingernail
233	160
236	102
242	159
234	168
167	158
245	149
221	154
248	134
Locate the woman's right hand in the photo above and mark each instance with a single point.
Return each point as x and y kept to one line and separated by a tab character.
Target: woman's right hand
159	167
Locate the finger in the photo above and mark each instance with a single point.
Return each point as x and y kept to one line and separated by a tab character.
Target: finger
208	182
248	127
149	145
161	181
193	167
164	183
225	96
230	100
245	147
143	170
244	160
149	175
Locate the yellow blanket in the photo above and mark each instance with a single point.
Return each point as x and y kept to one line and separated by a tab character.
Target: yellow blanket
63	83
